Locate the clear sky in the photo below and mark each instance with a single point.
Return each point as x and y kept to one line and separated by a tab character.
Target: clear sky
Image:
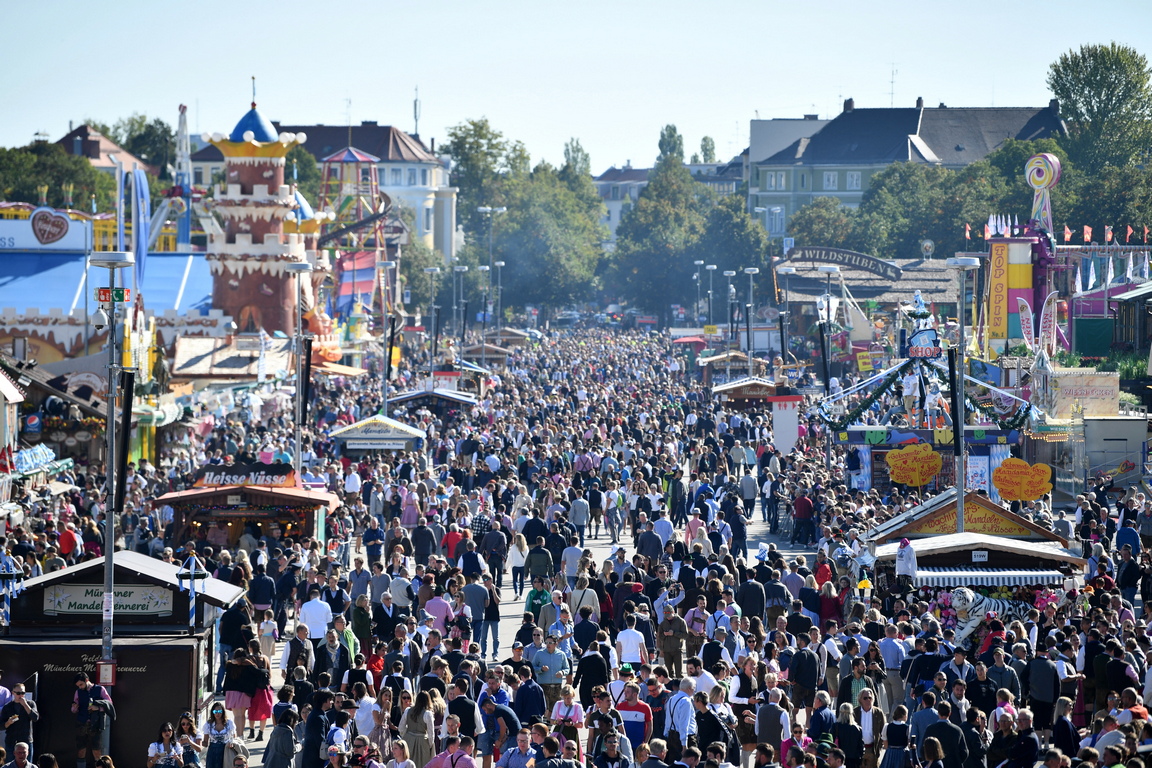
609	72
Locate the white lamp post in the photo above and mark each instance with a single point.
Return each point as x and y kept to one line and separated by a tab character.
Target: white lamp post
826	351
711	272
963	265
786	315
751	272
299	270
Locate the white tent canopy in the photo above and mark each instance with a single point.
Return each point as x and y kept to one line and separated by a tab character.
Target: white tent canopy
378	433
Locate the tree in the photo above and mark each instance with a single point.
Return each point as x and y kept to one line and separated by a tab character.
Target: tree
550	239
23	170
823	222
1105	94
708	149
651	264
301	168
479	155
154	142
732	239
671	145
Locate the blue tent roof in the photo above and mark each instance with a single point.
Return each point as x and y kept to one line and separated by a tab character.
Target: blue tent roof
262	130
179	281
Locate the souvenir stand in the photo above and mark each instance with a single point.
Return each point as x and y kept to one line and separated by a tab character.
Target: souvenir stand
377	433
164	645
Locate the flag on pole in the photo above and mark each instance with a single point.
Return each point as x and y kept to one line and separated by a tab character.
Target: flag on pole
1128	268
1067	233
1110	274
1107	234
968	231
1145	233
1091	273
987	231
1087	233
1128	237
1016	225
1144	267
1079	286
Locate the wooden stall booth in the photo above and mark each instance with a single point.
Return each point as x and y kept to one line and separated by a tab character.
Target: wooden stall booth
377	433
220	515
161	656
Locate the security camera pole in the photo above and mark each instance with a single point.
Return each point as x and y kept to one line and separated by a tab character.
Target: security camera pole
112	260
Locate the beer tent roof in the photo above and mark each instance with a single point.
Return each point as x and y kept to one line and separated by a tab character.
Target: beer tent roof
937	516
377	429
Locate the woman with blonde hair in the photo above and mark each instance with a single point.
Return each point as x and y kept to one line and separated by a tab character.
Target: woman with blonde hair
702	541
830	605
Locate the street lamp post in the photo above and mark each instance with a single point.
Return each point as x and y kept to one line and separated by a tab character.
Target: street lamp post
492	212
696	309
300	270
730	273
433	315
458	276
786	315
711	272
499	295
826	352
962	264
111	260
751	272
484	315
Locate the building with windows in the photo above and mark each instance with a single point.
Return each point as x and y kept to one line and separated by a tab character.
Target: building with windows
86	141
841	157
409	173
619	188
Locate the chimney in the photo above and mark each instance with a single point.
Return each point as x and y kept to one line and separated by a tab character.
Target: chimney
432	149
849	105
811	117
919	102
1054	105
942	106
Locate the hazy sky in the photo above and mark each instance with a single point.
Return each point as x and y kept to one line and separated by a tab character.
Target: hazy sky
610	72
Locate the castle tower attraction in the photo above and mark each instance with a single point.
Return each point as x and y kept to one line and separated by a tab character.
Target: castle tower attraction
249	261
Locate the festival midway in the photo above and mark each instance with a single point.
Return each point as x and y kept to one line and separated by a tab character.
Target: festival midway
378	442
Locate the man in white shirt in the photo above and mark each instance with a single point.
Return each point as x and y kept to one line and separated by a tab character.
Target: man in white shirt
630	645
702	677
317	615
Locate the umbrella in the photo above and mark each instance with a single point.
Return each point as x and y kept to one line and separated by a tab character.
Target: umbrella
696	342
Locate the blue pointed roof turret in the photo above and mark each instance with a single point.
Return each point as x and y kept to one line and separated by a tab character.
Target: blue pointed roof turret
262	130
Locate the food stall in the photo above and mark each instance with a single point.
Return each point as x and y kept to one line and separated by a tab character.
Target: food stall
377	433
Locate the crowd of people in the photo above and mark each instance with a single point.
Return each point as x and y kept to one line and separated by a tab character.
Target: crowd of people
607	499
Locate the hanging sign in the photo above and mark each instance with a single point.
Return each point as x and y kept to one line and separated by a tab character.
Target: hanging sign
1017	480
914	465
270	475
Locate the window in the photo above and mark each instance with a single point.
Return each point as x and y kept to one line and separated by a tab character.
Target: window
427	218
769	180
852	180
423	177
397	177
197	175
411	177
615	193
830	179
803	181
780	176
776	219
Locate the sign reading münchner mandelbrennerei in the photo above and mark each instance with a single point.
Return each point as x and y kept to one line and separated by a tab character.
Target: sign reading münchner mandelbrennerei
136	599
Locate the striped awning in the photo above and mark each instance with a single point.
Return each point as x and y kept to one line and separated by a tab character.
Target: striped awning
987	577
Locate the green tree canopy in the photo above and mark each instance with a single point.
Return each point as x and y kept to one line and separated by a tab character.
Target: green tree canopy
301	165
1105	94
23	170
708	149
480	154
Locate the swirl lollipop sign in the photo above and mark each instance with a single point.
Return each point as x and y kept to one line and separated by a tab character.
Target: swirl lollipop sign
1042	172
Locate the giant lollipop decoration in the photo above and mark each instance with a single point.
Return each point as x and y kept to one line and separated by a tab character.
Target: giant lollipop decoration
1042	172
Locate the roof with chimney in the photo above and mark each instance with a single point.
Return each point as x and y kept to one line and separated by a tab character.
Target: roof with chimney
97	147
386	142
935	135
625	174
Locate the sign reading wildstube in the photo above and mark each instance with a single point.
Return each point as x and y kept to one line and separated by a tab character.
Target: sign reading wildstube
269	475
848	259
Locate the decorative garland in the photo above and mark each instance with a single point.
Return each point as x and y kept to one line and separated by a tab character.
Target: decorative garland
1015	421
867	402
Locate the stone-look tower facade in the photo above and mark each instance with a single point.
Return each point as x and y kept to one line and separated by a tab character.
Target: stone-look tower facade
248	262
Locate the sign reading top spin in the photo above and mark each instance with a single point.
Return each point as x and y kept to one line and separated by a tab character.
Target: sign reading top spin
268	475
